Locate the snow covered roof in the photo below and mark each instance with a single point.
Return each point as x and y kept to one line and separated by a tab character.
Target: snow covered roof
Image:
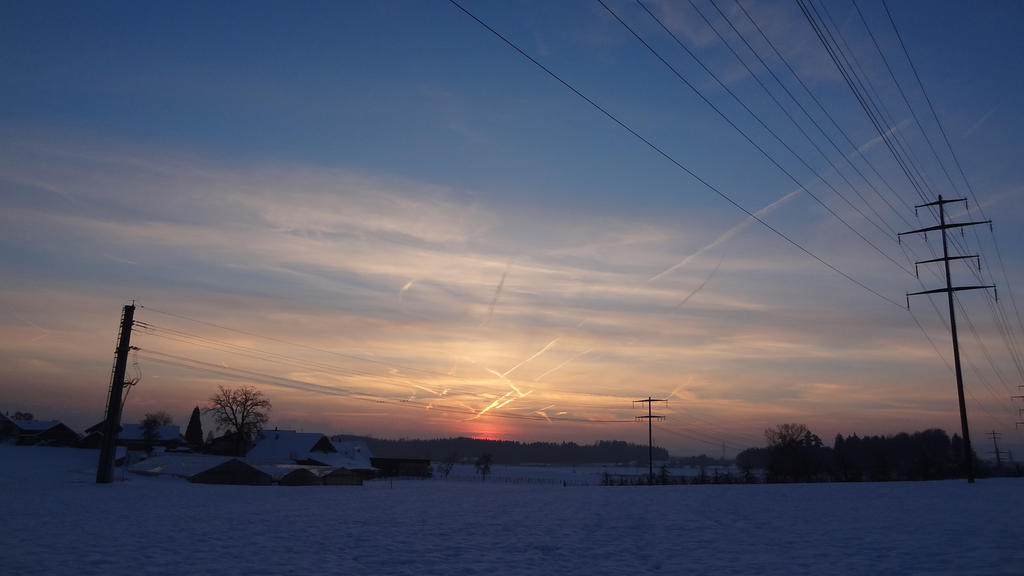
35	425
351	454
280	446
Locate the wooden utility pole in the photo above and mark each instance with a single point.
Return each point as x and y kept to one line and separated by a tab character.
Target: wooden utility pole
949	290
650	432
112	421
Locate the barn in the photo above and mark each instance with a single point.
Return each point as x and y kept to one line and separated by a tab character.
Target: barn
235	472
290	447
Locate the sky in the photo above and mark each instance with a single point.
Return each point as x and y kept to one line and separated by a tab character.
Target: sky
511	220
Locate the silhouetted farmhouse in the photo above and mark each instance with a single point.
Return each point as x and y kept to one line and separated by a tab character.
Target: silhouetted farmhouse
37	433
308	449
289	446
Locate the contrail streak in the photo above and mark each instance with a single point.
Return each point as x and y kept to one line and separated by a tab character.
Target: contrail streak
543	413
494	404
518	391
497	294
538	353
563	364
515	393
700	287
434	392
405	289
728	234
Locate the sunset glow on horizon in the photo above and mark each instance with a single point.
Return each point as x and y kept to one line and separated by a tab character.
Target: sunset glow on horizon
393	224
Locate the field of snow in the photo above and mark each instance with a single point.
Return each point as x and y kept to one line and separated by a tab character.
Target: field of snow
58	521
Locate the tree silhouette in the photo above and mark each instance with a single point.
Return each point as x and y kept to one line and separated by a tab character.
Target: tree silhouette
483	465
194	432
151	424
446	465
795	454
242	411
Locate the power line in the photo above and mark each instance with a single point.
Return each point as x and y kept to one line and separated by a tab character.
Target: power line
863	79
257	354
149	329
786	112
950	290
903	94
650	418
808	7
326	368
799	105
855	149
284	382
668	157
823	34
1000	318
295	344
911	158
746	136
967	182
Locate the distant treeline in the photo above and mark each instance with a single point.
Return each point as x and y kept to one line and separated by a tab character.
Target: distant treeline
794	454
511	452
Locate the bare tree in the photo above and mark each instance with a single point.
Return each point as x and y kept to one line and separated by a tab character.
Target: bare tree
795	454
242	411
151	424
789	435
446	465
483	465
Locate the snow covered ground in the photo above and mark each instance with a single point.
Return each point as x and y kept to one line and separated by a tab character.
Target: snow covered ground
56	520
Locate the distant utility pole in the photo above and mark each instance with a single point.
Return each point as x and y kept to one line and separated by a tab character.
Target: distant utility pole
995	437
650	431
949	290
1020	411
112	420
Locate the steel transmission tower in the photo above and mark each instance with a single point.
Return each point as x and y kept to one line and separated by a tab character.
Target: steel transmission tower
949	290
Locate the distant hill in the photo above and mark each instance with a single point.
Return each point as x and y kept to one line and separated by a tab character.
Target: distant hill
511	452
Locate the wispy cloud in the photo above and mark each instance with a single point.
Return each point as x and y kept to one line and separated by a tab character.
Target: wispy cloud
313	258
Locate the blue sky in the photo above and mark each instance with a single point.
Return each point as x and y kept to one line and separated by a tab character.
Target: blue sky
395	224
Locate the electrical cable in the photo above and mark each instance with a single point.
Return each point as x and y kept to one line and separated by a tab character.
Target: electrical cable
748	138
668	157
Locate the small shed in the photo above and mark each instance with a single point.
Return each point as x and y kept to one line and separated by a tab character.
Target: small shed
300	477
342	477
233	471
